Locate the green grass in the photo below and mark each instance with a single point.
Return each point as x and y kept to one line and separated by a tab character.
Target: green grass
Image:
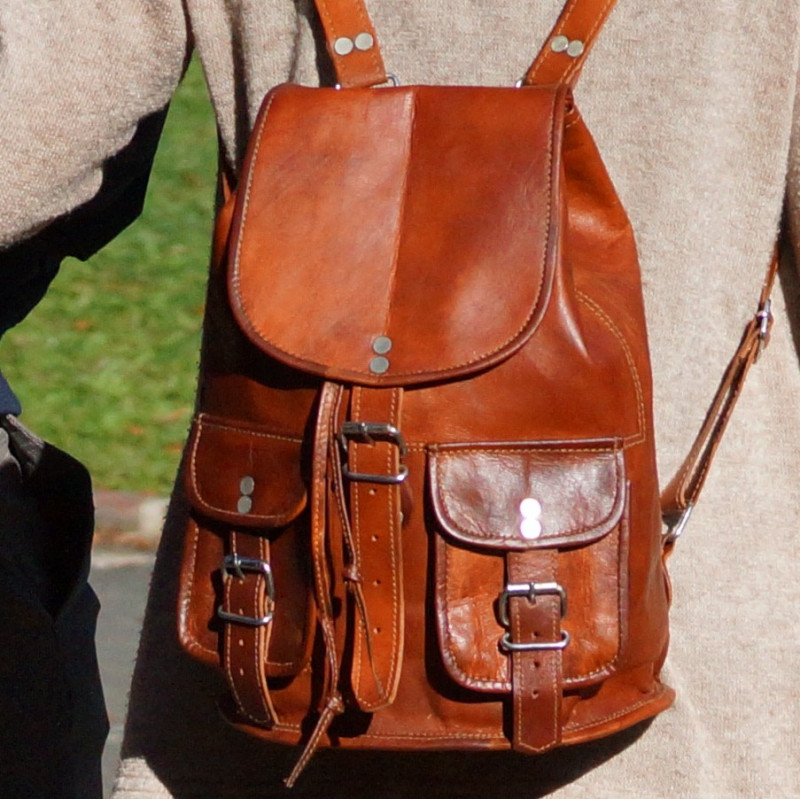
106	365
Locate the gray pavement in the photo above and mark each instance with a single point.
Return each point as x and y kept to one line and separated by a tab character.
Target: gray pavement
128	527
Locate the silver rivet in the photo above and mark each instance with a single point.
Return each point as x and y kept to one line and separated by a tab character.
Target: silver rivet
244	505
575	48
531	526
530	507
382	345
246	485
559	44
343	46
379	365
364	41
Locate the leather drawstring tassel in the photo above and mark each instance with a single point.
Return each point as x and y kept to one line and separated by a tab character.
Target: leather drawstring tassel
333	707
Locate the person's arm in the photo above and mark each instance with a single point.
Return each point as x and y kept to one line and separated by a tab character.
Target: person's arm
84	86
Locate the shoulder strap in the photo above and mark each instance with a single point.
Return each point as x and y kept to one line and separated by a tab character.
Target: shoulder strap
351	42
353	46
562	57
683	491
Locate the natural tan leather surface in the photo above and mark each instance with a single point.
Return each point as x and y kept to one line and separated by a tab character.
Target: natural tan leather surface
413	191
475	523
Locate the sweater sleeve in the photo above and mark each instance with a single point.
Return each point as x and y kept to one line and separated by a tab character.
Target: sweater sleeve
83	86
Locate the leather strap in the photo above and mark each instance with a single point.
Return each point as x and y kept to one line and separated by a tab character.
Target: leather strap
332	705
353	46
563	55
245	643
378	557
536	674
683	491
351	42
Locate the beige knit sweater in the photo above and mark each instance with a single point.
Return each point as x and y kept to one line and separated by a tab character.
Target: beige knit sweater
692	105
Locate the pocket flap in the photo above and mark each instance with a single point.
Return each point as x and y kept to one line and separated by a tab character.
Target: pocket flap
531	495
392	237
244	475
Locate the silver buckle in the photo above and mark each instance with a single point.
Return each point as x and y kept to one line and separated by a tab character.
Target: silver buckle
676	524
530	591
369	433
235	566
764	317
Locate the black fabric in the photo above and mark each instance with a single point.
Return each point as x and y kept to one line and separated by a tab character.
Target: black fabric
8	400
27	268
53	722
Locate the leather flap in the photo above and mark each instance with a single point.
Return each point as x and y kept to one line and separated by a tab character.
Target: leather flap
524	496
244	475
394	236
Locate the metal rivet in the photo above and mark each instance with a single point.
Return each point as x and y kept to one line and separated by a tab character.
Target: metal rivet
559	44
575	48
530	507
343	46
530	528
244	505
364	41
382	345
379	365
246	485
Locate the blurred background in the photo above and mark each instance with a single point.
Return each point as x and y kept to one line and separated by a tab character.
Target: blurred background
105	366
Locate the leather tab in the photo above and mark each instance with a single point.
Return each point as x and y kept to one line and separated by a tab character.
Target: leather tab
564	53
244	647
351	43
378	558
536	674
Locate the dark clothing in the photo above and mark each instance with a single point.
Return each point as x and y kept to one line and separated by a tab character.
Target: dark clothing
53	722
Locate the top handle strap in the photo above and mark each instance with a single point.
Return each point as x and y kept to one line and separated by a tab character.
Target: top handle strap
564	53
351	42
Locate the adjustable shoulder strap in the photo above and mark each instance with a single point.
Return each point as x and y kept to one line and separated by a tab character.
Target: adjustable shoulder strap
562	57
683	491
351	42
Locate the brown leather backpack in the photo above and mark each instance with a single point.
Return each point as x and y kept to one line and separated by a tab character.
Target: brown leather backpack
425	510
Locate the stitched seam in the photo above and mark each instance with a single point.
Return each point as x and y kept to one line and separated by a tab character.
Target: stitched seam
228	664
206	421
339	63
588	43
189	594
536	311
599	312
450	657
616	715
394	551
611	663
481	535
374	51
558	28
246	208
276	519
355	508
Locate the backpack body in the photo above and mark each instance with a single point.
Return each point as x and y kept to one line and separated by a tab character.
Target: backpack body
425	508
